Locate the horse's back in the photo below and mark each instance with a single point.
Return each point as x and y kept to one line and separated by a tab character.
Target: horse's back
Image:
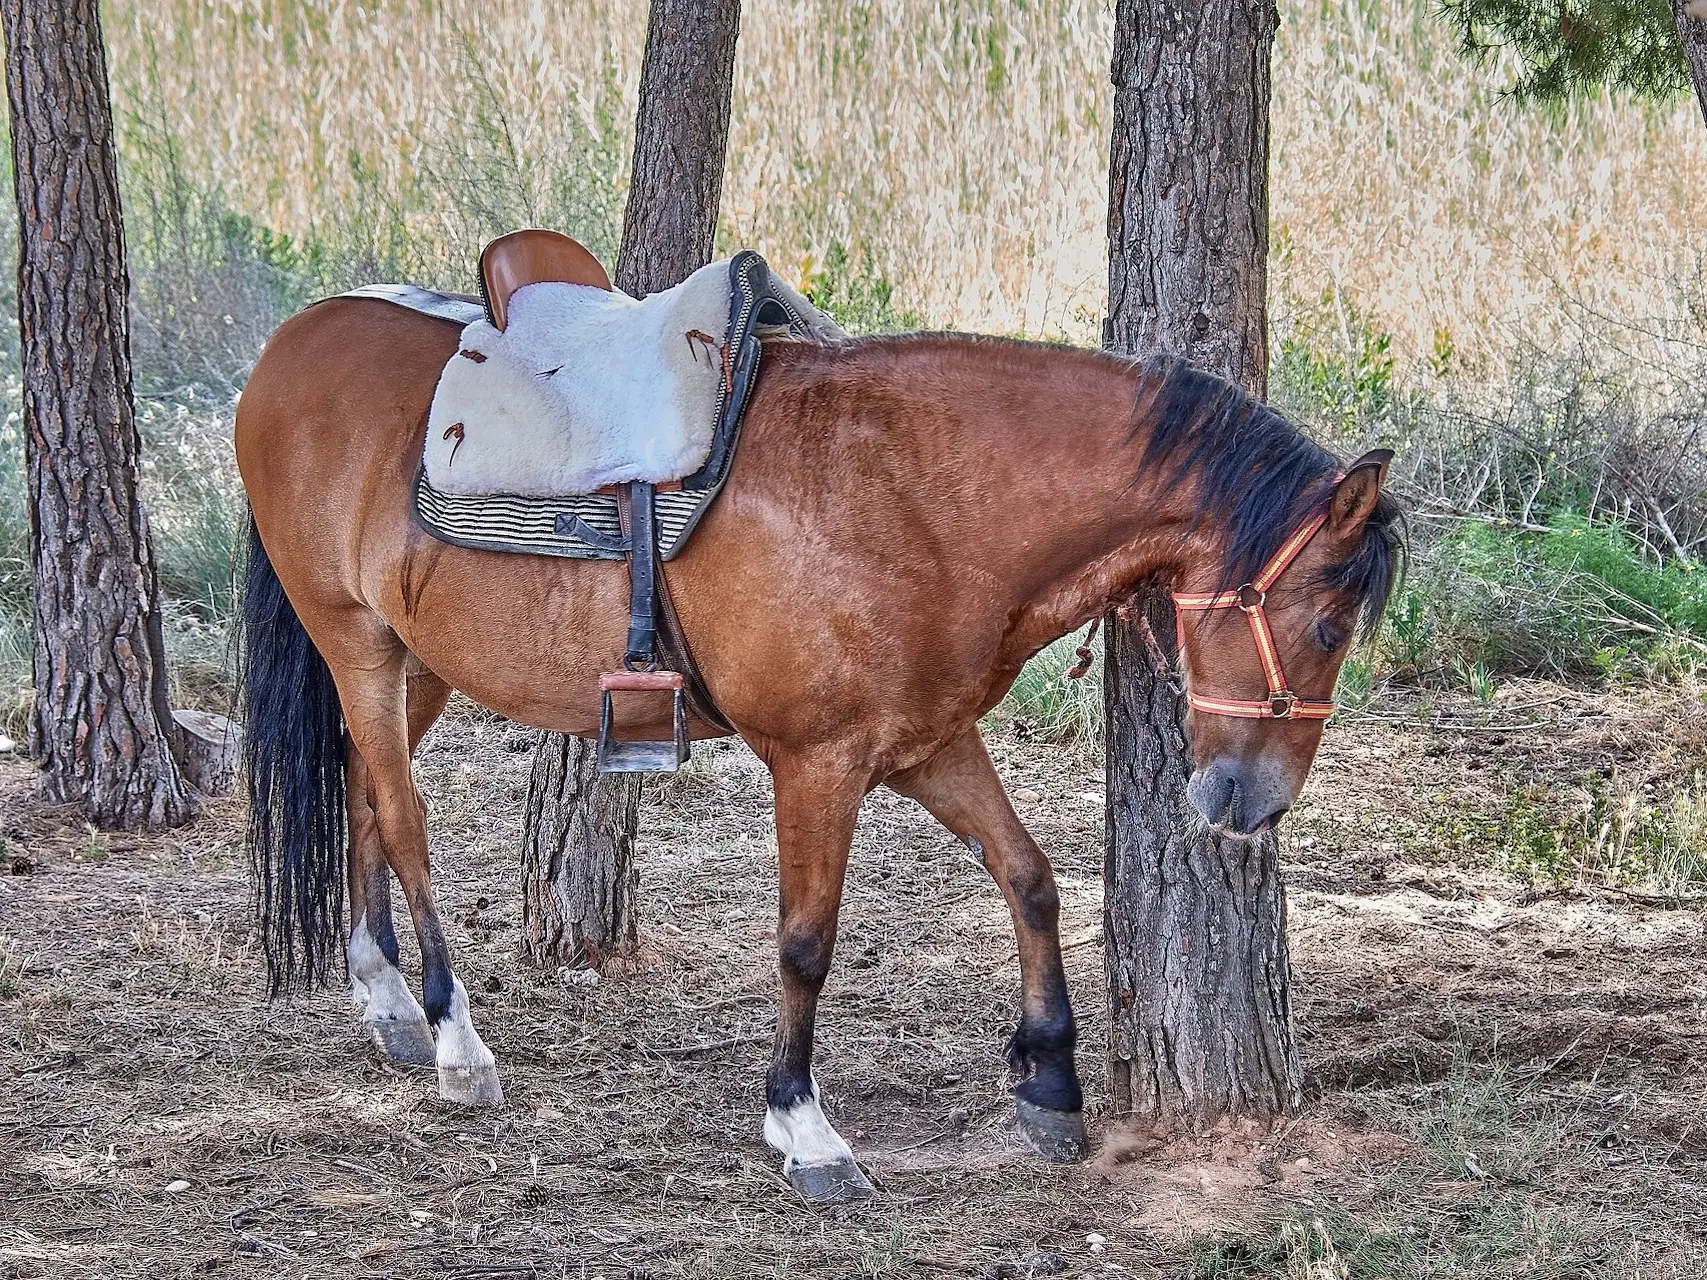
329	437
353	368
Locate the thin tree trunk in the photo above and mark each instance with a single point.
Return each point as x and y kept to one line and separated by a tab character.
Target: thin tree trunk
578	875
681	137
1691	19
578	909
101	725
1199	1017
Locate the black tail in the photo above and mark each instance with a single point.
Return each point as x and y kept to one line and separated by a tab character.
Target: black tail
293	747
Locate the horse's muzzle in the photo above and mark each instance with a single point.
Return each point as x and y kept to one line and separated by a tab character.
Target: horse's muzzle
1239	802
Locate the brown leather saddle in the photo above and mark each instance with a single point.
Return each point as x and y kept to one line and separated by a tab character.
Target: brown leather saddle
533	257
658	659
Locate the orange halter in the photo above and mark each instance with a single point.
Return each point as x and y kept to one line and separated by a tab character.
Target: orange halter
1281	703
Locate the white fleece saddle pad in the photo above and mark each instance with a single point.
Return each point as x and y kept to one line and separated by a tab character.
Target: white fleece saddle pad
584	388
587	526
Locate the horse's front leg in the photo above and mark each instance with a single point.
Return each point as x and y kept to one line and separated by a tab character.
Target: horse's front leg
959	785
816	806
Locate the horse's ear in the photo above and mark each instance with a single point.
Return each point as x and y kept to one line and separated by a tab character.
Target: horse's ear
1356	495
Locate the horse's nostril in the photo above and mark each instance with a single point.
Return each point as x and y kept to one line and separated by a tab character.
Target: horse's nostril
1214	793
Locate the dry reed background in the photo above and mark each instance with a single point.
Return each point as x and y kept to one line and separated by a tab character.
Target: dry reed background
964	145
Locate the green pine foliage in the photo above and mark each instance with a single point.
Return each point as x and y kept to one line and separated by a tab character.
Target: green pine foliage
1574	48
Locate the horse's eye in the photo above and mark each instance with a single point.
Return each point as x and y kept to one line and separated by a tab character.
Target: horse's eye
1330	636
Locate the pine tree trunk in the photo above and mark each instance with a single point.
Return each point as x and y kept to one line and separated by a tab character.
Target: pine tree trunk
1199	1017
101	724
578	875
681	136
1691	18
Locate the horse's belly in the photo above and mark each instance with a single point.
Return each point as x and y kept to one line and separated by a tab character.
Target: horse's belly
525	636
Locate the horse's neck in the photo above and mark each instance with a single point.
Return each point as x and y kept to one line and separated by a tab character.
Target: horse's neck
1023	459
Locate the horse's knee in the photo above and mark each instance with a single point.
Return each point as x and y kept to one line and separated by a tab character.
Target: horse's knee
1032	883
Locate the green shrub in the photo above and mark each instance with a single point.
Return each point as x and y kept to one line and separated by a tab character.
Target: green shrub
856	293
1528	840
1346	389
1356	685
1622	834
1044	704
1638	590
1578	599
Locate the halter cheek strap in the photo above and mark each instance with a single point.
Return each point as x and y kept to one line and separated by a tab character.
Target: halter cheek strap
1281	703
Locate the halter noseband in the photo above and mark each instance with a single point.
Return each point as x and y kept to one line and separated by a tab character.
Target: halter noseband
1281	703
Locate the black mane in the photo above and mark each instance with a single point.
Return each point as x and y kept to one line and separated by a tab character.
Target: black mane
1259	478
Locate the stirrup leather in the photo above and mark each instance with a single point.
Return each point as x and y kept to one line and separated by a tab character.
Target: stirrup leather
640	673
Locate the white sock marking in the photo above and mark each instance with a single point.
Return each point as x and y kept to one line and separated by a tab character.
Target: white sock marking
804	1135
376	985
460	1047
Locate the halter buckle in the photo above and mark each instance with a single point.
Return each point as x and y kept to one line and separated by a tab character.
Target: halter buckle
1251	597
1282	704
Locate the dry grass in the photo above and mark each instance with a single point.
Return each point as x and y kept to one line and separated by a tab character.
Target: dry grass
965	143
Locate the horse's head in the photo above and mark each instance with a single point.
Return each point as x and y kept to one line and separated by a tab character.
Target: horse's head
1261	659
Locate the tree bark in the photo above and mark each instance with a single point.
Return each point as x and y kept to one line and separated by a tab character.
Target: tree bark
101	726
1691	19
681	137
578	874
1200	1025
579	880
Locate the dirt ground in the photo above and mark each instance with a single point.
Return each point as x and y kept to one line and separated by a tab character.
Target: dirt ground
1482	1054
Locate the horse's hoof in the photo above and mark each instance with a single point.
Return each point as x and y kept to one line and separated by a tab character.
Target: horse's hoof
1054	1135
471	1086
406	1042
838	1183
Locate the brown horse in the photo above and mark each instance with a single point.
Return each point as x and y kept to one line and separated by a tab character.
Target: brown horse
908	520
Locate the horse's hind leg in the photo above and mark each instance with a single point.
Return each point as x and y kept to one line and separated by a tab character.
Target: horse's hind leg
372	685
391	1013
960	787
